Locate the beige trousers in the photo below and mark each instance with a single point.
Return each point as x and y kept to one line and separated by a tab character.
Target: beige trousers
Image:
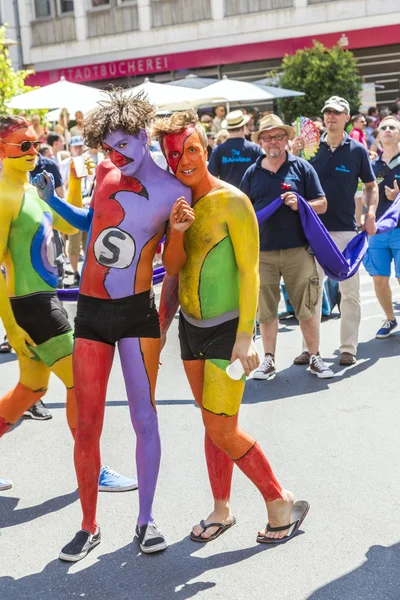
350	306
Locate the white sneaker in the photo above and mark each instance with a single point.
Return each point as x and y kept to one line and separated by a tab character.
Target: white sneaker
266	369
319	368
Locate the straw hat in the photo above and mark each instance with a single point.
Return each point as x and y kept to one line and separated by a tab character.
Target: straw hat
235	119
272	122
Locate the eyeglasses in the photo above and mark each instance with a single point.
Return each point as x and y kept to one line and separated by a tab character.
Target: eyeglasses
268	138
331	111
391	127
25	146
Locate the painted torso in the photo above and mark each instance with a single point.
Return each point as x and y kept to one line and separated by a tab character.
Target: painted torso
129	221
209	280
30	256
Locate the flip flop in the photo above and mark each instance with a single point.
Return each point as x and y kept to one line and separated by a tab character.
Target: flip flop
299	512
221	529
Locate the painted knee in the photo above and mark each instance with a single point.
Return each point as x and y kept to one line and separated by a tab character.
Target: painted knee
145	426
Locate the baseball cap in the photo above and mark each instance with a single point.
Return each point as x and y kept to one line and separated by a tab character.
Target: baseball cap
77	140
337	103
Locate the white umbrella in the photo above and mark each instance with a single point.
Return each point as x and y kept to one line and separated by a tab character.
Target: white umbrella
233	90
62	94
169	97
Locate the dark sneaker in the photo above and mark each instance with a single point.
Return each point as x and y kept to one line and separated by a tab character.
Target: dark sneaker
387	328
82	543
39	412
77	278
150	538
347	359
302	359
266	369
319	368
5	484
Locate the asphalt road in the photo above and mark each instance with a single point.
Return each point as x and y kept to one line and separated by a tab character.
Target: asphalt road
334	443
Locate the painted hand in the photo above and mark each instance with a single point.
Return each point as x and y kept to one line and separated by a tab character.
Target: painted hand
44	183
182	216
290	200
245	350
89	164
20	340
391	194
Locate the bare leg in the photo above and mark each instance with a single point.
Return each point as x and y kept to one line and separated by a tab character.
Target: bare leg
384	295
310	330
269	332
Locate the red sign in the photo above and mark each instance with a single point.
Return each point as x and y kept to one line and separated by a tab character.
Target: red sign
361	38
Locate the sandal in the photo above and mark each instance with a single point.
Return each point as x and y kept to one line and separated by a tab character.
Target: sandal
5	347
221	529
299	510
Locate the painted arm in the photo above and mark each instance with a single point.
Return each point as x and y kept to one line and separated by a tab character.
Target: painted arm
18	337
243	231
169	304
181	218
69	218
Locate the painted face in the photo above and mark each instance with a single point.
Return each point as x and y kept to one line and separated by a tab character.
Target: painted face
126	151
17	151
186	156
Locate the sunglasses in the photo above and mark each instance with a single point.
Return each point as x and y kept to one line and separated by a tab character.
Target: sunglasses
268	138
385	127
331	111
25	146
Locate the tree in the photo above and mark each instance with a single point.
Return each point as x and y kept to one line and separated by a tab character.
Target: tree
12	82
320	72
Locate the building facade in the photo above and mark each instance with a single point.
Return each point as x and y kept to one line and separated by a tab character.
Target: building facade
123	41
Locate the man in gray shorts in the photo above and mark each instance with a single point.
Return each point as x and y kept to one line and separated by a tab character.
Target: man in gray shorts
284	249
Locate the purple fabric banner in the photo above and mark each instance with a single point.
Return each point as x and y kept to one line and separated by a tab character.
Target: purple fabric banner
337	265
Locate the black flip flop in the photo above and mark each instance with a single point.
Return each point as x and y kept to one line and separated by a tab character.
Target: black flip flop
299	513
221	529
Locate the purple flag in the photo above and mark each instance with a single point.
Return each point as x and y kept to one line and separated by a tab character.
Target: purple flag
337	265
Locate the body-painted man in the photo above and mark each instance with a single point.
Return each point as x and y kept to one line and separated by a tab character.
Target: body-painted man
218	287
130	209
35	321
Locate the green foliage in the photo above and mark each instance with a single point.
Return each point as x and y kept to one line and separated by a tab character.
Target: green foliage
12	82
319	72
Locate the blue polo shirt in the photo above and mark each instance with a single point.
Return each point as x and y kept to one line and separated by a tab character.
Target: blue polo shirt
283	230
46	164
229	161
386	174
339	172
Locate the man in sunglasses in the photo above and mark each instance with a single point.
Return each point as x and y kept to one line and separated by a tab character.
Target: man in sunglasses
385	247
340	162
284	250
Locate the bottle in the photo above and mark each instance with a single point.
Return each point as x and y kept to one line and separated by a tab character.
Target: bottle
235	370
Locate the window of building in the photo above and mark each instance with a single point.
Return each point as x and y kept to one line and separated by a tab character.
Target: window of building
66	6
100	2
42	8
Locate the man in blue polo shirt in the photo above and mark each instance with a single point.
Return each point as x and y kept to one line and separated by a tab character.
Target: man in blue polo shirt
384	248
46	164
284	248
340	162
229	161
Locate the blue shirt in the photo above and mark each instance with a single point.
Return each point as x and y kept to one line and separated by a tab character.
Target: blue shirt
283	230
338	173
46	164
229	161
386	174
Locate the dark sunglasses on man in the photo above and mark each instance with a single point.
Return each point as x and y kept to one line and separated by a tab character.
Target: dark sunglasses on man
390	127
25	146
332	111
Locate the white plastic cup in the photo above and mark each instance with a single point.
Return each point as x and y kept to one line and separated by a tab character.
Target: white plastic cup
235	370
80	166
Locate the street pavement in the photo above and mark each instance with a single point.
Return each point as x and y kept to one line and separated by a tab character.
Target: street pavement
332	442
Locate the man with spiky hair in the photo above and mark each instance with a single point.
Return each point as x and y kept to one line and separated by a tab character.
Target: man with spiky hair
217	265
133	202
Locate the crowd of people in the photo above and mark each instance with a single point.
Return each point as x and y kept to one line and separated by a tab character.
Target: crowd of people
224	257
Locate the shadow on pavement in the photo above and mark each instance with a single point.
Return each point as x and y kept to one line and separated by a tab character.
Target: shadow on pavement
8	357
377	578
10	515
126	574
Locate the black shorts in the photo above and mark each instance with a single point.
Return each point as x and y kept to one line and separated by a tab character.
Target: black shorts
109	321
41	315
202	343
